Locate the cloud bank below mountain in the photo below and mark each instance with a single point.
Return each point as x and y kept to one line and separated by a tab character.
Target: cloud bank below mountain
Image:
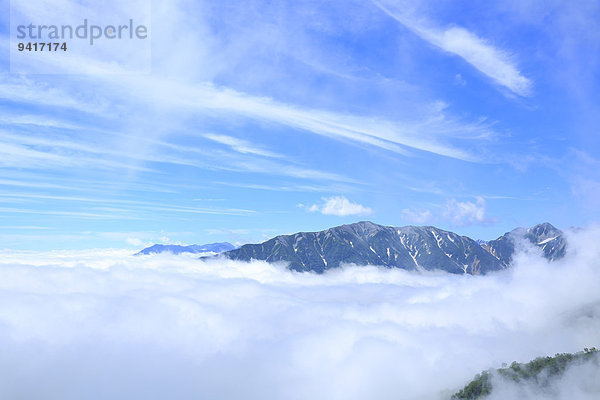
103	324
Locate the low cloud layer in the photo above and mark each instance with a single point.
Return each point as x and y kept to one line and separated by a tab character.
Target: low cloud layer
103	324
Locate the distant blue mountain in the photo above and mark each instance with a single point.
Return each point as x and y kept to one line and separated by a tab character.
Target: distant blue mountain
194	248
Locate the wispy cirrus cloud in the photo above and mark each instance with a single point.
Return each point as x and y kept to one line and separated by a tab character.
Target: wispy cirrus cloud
497	64
38	150
435	131
241	146
288	187
123	206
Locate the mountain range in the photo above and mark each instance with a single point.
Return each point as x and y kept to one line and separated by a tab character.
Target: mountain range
211	248
421	248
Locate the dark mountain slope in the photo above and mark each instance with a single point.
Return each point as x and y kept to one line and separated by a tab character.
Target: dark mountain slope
410	247
545	236
539	374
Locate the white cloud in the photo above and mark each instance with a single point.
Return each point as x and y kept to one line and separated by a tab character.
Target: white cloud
459	80
241	146
340	206
463	213
459	213
417	216
104	324
495	63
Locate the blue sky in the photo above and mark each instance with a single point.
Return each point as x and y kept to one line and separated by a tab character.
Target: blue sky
260	118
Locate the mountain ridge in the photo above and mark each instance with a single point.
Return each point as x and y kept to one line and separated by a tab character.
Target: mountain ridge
409	247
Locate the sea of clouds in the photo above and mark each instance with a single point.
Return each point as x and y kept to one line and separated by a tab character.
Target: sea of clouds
103	324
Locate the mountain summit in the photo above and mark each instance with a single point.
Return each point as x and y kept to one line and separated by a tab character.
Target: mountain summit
545	236
409	247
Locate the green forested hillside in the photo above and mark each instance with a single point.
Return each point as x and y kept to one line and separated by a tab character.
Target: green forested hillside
541	371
